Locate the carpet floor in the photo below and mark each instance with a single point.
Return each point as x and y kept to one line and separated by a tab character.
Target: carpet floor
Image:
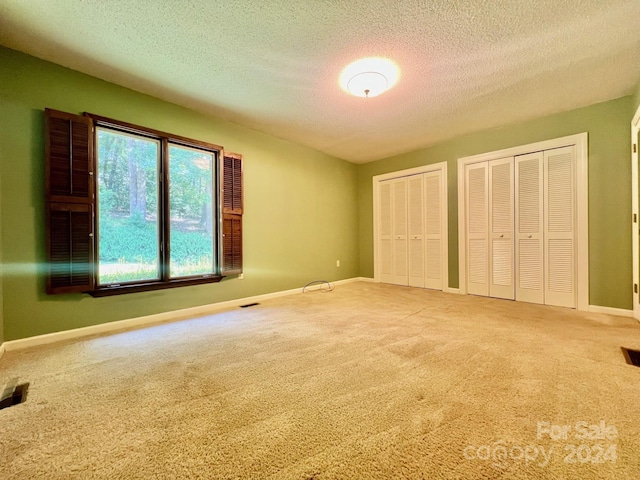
369	381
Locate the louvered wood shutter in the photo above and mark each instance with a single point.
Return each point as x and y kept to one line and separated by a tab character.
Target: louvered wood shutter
69	202
70	247
232	210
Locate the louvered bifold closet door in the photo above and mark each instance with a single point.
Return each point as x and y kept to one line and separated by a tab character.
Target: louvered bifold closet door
559	227
232	210
501	258
69	202
385	238
399	226
529	228
416	244
433	229
477	224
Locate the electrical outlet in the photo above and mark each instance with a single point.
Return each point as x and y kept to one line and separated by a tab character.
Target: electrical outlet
337	263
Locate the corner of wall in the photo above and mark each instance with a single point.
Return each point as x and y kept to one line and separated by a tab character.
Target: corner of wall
607	124
321	196
1	264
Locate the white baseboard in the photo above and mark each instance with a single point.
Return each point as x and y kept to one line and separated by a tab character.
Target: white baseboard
364	279
445	290
119	325
138	322
2	349
620	312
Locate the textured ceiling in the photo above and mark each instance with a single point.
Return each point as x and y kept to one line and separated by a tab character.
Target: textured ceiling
273	65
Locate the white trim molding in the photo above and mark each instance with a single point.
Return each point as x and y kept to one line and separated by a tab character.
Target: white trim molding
444	207
364	279
635	209
580	141
148	320
620	312
2	349
455	291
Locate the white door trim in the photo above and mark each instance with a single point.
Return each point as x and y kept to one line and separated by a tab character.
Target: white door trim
635	207
440	166
580	141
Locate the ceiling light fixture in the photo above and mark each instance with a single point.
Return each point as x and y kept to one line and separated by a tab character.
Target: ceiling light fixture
369	77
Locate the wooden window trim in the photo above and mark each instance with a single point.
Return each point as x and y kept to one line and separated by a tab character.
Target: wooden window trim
109	291
75	203
150	132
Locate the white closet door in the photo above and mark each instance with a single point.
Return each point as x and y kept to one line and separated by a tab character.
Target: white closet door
433	229
399	231
415	212
385	242
477	223
501	261
559	227
529	227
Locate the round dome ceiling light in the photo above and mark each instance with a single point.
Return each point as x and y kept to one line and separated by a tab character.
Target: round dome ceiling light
369	77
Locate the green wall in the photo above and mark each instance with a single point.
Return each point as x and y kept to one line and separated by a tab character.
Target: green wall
3	140
609	189
301	207
304	209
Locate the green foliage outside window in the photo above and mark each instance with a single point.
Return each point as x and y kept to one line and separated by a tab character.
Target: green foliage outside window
128	209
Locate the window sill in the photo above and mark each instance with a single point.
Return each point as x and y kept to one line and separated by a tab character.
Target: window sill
105	291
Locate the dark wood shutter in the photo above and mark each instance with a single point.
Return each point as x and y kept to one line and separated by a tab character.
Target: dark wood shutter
231	244
69	202
70	247
232	210
232	183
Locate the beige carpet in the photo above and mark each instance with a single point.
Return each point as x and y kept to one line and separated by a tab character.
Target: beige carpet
366	382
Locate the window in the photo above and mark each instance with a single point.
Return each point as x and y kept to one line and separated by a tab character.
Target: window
191	212
128	213
157	211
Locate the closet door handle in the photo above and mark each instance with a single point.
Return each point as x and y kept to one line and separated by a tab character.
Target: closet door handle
502	235
529	236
